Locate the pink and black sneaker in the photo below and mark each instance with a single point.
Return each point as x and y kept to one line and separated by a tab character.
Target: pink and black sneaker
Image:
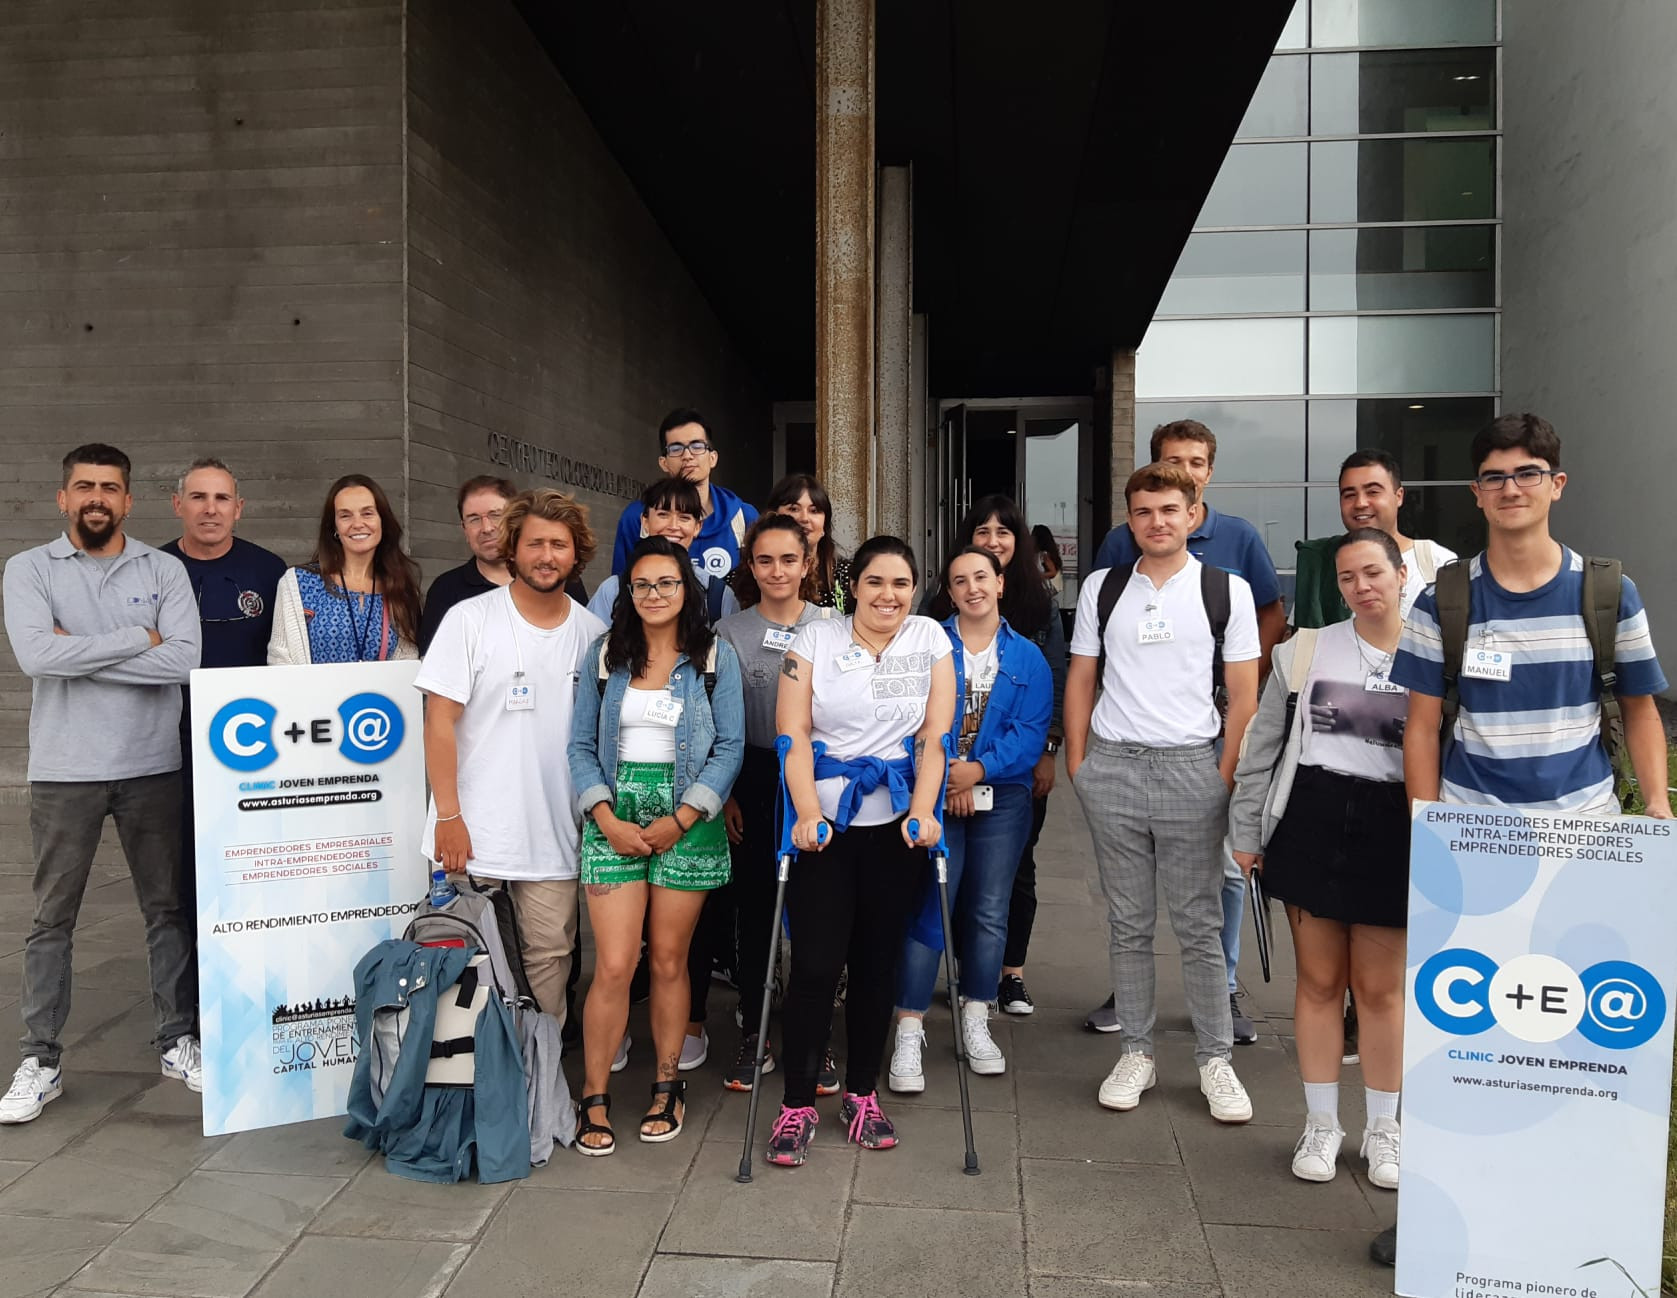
789	1141
865	1123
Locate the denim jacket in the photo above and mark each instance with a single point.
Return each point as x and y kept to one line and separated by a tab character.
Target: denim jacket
709	737
1015	724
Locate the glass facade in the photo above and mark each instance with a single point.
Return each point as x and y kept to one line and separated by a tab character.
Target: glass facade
1340	287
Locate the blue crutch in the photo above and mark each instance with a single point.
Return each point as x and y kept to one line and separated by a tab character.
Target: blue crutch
788	817
951	973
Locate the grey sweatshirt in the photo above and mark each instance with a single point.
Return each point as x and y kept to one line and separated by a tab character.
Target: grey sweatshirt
106	702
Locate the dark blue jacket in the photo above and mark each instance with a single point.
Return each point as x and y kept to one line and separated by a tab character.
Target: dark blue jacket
1015	725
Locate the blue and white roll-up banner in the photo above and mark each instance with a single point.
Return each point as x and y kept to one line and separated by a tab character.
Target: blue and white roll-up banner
1536	1053
309	800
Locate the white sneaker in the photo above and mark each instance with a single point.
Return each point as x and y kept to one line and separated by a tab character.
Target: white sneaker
907	1075
694	1051
1130	1076
622	1061
1316	1156
33	1085
184	1061
1224	1093
984	1056
1380	1146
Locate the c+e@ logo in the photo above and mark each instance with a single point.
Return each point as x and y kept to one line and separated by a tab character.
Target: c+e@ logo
242	732
1537	998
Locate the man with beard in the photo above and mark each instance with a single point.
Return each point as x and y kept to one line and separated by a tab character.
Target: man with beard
500	680
106	628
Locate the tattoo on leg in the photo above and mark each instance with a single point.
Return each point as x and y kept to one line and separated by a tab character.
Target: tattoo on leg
602	889
667	1070
789	666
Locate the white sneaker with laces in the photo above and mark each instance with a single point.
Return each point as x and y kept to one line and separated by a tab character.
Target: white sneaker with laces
1381	1140
1316	1156
1224	1093
184	1061
622	1060
984	1056
33	1086
694	1051
907	1075
1130	1076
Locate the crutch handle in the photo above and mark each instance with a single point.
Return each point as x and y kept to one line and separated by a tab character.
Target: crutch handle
821	832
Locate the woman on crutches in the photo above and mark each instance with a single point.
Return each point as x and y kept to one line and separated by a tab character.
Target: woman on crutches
860	685
1004	699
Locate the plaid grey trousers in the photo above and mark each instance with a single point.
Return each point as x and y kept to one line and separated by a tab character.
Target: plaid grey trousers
1158	817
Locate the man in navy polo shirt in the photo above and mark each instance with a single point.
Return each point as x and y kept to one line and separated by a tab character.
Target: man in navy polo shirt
233	582
1234	545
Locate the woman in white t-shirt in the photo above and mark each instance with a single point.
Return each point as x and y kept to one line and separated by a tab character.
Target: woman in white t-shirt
1319	807
861	686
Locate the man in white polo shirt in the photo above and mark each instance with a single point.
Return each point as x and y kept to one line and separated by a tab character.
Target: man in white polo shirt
1144	763
500	680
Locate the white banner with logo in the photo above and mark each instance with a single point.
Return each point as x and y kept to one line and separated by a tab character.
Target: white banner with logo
1536	1053
309	798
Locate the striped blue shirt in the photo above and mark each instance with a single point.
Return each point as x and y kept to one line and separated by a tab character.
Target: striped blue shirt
1534	740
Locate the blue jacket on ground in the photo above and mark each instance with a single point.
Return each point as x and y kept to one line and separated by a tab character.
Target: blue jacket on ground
715	550
1015	726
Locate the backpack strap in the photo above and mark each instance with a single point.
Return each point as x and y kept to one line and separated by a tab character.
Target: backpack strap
1603	579
602	675
1426	561
738	525
1112	586
1453	595
1298	671
715	588
1214	594
710	669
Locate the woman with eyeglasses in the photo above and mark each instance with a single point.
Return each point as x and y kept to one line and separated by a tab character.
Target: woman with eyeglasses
357	598
1319	808
657	742
802	496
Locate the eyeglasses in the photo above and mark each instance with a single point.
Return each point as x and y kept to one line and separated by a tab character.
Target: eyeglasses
493	517
675	450
1527	475
665	586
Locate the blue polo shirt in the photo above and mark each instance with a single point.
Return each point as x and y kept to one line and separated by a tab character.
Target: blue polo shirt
1221	540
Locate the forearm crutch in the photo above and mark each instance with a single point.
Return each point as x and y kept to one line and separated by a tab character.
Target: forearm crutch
940	868
788	817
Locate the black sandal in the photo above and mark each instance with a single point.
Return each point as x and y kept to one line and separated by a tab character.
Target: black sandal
674	1093
587	1128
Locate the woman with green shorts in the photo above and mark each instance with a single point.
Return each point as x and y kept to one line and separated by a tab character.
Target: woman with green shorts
658	739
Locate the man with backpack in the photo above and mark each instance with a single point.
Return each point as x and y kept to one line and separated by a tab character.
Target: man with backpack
500	681
686	449
1527	657
1144	764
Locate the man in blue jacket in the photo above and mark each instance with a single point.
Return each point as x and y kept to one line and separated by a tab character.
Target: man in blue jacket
686	449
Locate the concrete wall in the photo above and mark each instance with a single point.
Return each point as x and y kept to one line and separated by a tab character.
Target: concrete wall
1590	270
551	325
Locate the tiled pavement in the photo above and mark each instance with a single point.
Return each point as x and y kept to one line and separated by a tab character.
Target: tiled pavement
114	1191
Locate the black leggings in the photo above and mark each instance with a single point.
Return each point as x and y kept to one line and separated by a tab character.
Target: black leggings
757	790
1021	913
849	905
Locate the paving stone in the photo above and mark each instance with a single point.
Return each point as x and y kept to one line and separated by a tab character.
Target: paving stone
114	1173
1065	1286
593	1243
168	1098
1260	1262
121	1045
1149	1211
955	1254
1243	1176
785	1212
367	1268
1265	1068
213	1237
10	1171
92	1010
87	1099
736	1277
378	1204
1054	1041
122	971
40	1253
317	1148
1059	1117
926	1170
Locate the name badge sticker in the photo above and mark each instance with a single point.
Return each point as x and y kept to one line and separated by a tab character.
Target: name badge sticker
853	658
663	711
1488	664
521	695
1154	630
1376	683
779	638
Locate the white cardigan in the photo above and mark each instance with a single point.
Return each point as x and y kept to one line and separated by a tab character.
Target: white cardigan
289	642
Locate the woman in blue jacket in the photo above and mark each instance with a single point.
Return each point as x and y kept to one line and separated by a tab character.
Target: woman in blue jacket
658	738
1004	698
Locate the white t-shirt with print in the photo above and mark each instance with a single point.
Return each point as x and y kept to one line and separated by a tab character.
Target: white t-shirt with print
980	669
868	710
1348	727
515	784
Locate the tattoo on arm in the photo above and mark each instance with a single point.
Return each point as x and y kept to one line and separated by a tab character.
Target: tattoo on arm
789	666
919	751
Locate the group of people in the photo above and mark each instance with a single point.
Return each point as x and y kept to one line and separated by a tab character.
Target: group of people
625	745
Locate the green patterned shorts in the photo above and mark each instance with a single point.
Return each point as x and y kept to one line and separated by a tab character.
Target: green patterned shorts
699	860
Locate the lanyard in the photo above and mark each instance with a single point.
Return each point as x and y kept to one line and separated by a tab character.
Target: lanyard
360	628
512	629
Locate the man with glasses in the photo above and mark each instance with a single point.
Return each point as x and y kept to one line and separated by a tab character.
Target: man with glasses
481	502
686	449
233	581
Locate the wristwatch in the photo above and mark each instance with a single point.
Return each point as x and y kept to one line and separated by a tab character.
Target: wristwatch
1051	747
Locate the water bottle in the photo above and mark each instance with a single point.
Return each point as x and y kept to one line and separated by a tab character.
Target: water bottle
442	888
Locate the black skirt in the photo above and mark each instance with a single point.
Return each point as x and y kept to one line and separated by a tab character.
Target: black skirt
1341	851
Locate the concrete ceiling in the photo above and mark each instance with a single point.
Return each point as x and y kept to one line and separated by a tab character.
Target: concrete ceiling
1061	152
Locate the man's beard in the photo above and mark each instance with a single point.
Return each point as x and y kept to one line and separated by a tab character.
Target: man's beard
538	581
94	533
